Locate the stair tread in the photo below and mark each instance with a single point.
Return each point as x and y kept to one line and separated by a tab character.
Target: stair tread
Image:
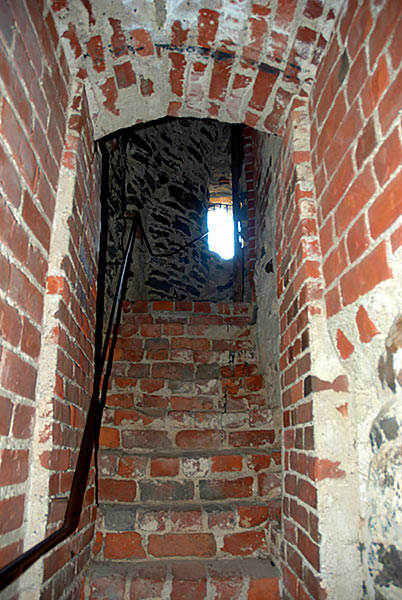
188	453
245	567
191	505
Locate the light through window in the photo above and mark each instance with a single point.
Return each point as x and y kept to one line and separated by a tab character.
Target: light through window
221	230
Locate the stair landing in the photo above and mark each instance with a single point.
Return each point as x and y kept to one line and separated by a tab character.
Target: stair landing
233	579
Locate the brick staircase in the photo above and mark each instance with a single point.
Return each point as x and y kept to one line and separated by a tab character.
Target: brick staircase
189	466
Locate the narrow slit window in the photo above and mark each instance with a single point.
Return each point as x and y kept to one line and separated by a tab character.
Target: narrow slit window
221	230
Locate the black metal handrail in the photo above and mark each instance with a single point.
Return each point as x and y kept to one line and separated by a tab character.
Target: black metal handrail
148	245
90	438
19	565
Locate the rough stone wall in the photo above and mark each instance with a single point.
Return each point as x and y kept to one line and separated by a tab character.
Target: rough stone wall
48	247
190	449
356	157
113	161
163	171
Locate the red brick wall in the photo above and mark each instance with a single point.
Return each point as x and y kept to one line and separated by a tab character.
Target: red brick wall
72	286
356	153
356	158
34	100
45	298
285	208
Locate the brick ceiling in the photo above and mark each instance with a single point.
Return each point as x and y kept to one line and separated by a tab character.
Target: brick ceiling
235	60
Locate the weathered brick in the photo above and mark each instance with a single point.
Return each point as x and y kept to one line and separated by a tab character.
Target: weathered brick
309	549
208	371
356	198
109	437
252	439
12	512
23	421
221	518
132	466
269	484
182	544
386	208
251	516
111	586
164	467
16	375
6	409
264	588
172	371
388	108
10	323
145	439
357	239
166	490
186	520
199	439
366	327
245	543
307	492
344	346
142	42
125	75
95	51
123	545
320	469
118	519
13	466
228	586
225	463
112	489
221	489
365	275
148	583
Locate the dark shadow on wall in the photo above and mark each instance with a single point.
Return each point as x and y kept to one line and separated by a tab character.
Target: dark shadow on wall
164	170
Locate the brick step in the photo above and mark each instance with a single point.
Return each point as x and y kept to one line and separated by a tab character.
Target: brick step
226	529
169	386
245	579
186	429
187	357
202	476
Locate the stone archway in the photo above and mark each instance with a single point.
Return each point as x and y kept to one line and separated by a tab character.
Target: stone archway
234	61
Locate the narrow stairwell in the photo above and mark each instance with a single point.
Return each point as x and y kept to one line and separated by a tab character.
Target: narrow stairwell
189	461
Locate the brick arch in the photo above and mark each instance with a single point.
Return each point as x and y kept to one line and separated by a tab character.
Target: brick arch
240	62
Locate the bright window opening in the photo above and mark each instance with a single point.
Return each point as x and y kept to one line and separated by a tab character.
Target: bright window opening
221	230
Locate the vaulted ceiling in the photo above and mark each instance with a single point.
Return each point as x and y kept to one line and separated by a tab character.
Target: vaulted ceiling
235	60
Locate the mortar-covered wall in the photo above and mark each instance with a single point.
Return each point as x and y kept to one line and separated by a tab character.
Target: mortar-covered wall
356	156
235	61
48	261
163	170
